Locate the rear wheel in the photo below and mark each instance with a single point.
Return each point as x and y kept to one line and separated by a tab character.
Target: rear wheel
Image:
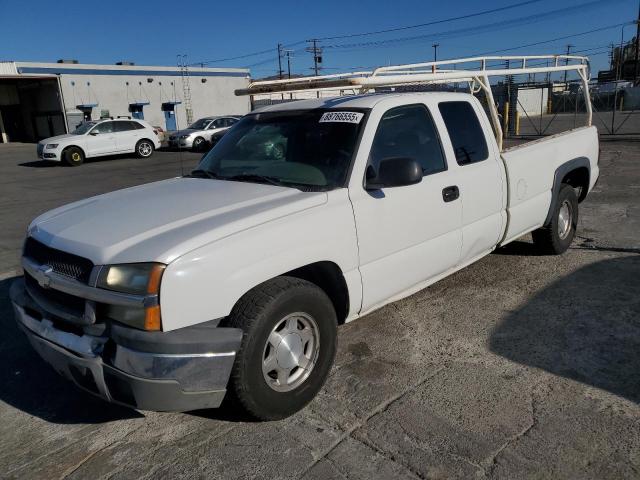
73	156
556	237
287	349
144	148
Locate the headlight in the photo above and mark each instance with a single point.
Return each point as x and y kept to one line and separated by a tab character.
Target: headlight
184	136
51	145
137	279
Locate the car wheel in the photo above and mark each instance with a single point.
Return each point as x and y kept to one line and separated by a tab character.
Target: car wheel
556	237
73	156
144	148
287	349
198	143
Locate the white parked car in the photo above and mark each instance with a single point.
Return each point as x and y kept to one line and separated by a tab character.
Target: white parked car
198	135
98	138
305	216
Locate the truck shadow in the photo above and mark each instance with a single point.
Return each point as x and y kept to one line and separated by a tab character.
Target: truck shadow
585	327
29	384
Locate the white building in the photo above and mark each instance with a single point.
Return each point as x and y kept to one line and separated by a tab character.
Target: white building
39	100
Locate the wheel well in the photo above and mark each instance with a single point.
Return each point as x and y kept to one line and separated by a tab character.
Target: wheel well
75	146
578	178
148	140
327	276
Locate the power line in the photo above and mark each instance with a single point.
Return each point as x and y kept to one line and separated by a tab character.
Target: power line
435	22
557	39
247	55
510	23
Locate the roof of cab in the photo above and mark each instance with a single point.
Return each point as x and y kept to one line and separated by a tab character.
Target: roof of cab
351	101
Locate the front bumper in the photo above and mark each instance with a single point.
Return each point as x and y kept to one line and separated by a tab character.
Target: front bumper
186	369
48	154
181	142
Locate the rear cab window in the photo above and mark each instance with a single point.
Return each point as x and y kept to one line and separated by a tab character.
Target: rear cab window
466	133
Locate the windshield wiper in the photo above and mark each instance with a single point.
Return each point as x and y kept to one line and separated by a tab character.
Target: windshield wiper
257	178
199	172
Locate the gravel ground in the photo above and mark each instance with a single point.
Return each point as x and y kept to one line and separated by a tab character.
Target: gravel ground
519	366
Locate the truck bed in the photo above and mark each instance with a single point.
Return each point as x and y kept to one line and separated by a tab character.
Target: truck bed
531	169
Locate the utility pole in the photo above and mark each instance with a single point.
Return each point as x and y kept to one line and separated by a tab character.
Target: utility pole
317	55
637	57
288	53
435	51
280	61
566	62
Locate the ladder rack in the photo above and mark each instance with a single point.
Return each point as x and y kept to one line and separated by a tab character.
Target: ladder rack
477	71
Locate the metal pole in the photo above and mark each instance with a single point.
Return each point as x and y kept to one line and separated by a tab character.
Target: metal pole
280	61
289	64
566	62
635	70
435	51
315	57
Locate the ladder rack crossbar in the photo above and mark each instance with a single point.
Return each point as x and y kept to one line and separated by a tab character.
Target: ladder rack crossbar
426	72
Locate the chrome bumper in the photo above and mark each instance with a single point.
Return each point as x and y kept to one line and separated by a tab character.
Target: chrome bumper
123	370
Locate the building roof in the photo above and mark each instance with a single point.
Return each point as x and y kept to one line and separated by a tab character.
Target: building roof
43	68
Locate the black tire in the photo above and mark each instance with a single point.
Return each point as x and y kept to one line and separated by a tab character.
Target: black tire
553	239
73	156
198	144
144	148
257	313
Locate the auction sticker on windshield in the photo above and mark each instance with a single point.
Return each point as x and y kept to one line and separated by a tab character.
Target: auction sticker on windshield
343	117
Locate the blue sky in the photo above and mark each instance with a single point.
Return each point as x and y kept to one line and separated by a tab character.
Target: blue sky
153	33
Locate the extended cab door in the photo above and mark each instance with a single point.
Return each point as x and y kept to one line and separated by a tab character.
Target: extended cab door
101	140
469	144
407	235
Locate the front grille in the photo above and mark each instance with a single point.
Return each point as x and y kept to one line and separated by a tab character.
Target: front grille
64	263
60	301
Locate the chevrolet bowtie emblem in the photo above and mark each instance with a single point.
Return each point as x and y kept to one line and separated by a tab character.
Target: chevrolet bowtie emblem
43	276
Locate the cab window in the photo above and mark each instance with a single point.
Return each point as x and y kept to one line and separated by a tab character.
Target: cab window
465	132
409	131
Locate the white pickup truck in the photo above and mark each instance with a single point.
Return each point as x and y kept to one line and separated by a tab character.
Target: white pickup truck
232	280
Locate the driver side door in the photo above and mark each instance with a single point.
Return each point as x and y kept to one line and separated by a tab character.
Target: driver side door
409	235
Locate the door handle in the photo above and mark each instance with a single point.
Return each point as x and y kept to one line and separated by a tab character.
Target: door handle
449	194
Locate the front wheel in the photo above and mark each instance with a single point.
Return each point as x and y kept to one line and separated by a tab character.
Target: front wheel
198	144
287	349
144	148
73	156
556	237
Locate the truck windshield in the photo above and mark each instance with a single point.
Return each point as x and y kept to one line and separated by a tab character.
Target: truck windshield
84	128
310	150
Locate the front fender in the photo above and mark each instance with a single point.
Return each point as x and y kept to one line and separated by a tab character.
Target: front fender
205	283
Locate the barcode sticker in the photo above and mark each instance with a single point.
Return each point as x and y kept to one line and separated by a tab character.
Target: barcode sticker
342	117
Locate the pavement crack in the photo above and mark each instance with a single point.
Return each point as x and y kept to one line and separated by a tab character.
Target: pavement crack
388	456
490	462
381	408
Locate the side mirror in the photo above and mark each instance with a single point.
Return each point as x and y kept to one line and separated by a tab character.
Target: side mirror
394	172
94	133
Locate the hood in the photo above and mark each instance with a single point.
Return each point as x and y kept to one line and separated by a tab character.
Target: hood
57	137
164	220
186	131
